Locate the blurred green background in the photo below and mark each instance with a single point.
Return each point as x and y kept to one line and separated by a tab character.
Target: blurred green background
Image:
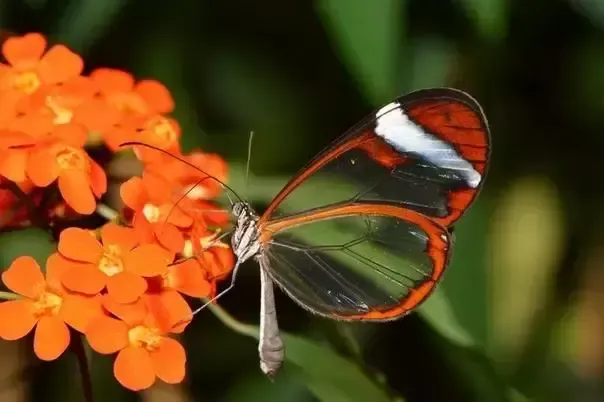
519	315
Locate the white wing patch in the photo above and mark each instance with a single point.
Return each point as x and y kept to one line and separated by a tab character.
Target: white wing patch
394	126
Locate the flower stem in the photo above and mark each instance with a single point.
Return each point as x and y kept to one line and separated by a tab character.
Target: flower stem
232	323
107	212
9	296
77	347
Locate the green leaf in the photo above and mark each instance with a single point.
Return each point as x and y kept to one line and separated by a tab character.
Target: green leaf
369	36
83	21
429	64
465	282
528	232
329	376
490	17
438	312
257	388
33	242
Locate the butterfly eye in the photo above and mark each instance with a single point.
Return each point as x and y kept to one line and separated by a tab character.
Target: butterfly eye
238	208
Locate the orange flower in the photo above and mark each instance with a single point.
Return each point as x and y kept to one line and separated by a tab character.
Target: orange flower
134	111
79	177
117	262
213	256
156	217
70	102
195	182
30	69
45	305
164	299
144	351
29	133
217	257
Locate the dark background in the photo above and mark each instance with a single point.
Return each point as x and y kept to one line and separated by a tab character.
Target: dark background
518	316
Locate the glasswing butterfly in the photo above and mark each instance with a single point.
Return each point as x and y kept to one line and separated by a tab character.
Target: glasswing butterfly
363	231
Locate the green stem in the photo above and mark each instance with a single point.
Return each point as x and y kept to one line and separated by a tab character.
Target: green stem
107	212
77	347
232	323
9	296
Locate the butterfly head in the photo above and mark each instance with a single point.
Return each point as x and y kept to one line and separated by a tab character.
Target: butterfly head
241	208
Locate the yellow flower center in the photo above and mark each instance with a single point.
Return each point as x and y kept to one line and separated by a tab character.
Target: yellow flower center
144	337
111	261
26	82
196	192
163	130
188	250
152	212
62	114
72	158
48	303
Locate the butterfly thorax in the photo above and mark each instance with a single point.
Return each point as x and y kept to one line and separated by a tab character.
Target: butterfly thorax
245	239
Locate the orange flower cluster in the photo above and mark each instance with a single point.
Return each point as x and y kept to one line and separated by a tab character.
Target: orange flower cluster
122	286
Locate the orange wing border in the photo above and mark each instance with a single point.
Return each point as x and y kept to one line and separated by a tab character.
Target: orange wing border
438	249
427	108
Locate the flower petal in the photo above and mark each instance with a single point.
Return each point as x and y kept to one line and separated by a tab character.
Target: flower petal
132	313
96	115
176	216
133	368
17	319
24	277
24	50
114	234
56	269
42	168
156	95
98	179
148	260
158	187
188	277
111	80
107	335
13	164
169	236
51	338
85	278
59	64
78	311
169	361
133	193
168	311
71	134
126	287
80	245
75	189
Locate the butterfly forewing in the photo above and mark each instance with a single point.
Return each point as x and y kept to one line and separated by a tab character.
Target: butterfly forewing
426	151
359	261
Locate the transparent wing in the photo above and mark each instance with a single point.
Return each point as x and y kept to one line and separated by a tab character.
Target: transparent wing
359	261
427	151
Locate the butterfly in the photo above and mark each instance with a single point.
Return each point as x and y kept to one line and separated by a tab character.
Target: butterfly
363	231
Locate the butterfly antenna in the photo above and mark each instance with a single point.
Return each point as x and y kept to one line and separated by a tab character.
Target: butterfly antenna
248	163
163	151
